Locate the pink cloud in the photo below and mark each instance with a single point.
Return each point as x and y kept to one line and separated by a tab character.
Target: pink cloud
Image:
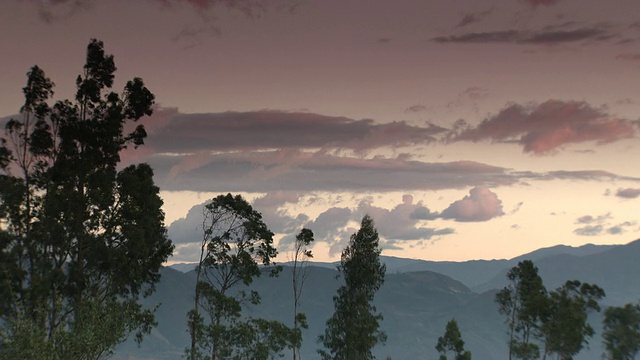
480	205
546	127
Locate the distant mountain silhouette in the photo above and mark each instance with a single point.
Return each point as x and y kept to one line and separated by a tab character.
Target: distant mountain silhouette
417	299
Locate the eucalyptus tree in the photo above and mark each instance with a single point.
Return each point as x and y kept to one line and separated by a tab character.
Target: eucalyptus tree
301	253
523	303
82	238
452	341
354	328
235	244
565	329
621	331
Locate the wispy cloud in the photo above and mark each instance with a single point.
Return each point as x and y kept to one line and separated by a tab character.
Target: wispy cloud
473	17
52	10
547	36
543	128
305	171
599	225
535	3
634	57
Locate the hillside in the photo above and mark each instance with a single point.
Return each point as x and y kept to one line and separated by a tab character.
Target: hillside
416	303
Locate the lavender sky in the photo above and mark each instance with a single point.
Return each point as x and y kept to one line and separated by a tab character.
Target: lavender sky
468	129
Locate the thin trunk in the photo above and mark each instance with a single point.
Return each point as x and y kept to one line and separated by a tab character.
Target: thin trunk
295	297
196	302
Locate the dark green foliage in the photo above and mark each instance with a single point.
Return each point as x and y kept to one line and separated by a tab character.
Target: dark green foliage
354	328
235	243
81	239
523	303
557	319
565	329
621	332
452	341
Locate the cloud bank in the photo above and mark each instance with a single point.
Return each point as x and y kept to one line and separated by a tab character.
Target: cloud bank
405	224
173	132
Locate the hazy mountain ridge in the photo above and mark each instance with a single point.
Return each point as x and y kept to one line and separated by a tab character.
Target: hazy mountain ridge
415	300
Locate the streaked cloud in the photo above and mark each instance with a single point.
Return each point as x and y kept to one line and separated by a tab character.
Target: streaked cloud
634	57
174	132
541	2
305	171
546	36
589	230
248	7
473	17
600	225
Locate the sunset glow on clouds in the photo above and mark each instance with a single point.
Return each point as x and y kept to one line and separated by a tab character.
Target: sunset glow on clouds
466	129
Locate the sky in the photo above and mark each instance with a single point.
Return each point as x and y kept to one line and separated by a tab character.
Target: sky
468	129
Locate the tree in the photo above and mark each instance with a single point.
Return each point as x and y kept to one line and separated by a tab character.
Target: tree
235	243
523	303
621	332
82	239
354	328
565	329
301	254
452	341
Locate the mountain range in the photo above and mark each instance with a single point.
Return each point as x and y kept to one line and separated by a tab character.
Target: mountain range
417	299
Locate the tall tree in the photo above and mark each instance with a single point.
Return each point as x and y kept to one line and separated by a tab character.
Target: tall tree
565	329
354	328
452	341
235	243
301	253
82	239
523	303
621	331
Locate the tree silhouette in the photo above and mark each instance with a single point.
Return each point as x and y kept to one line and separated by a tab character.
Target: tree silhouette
522	302
354	328
621	331
300	255
565	329
82	241
235	243
452	341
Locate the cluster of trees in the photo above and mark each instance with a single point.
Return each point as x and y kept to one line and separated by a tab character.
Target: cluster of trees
82	242
236	248
555	323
